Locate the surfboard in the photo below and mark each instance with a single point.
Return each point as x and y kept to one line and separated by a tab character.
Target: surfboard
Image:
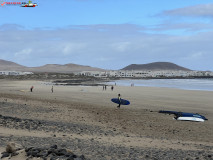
190	119
184	116
123	101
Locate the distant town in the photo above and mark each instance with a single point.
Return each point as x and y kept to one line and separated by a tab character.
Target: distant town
146	74
14	73
129	74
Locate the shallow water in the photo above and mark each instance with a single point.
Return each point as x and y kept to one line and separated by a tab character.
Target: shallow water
187	84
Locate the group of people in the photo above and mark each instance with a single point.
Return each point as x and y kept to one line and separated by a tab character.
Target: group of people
104	88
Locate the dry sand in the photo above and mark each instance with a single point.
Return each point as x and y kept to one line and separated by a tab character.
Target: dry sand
138	126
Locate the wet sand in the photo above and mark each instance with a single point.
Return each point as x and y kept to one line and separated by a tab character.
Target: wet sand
85	120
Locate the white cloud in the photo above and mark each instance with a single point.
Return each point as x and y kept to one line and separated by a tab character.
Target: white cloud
111	48
184	27
194	56
197	55
73	48
23	54
6	27
197	10
121	46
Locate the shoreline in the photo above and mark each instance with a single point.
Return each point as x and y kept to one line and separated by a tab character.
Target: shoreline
182	84
129	82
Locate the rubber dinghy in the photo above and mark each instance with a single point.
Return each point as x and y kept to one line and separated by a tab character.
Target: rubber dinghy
183	116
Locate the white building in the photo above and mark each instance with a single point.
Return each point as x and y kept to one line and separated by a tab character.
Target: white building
146	73
14	73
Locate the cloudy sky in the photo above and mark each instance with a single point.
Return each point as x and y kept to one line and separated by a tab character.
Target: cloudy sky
109	34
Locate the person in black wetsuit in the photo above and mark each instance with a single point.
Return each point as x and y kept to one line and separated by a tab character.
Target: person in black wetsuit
31	89
119	99
112	88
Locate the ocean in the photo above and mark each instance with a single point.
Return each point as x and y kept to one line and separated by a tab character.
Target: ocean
186	84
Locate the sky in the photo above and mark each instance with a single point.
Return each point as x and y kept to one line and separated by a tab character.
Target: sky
108	34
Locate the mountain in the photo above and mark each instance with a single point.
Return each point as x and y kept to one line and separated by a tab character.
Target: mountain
155	66
10	66
67	68
70	68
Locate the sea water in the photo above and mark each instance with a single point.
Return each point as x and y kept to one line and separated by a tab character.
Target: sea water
187	84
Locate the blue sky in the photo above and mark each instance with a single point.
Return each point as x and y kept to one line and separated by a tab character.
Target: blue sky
109	34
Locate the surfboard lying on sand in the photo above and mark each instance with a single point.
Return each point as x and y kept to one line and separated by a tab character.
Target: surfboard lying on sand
190	119
123	101
183	116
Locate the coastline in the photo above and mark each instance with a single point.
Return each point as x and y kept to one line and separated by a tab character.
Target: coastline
99	124
184	84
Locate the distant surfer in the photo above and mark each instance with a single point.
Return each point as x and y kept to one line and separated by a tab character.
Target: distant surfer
52	89
31	89
119	99
112	88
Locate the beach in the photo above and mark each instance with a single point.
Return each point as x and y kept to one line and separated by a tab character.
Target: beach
84	120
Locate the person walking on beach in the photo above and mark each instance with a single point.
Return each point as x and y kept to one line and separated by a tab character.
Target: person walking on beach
112	88
31	89
119	99
105	87
52	89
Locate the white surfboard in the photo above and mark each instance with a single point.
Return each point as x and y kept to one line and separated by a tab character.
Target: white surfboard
190	119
